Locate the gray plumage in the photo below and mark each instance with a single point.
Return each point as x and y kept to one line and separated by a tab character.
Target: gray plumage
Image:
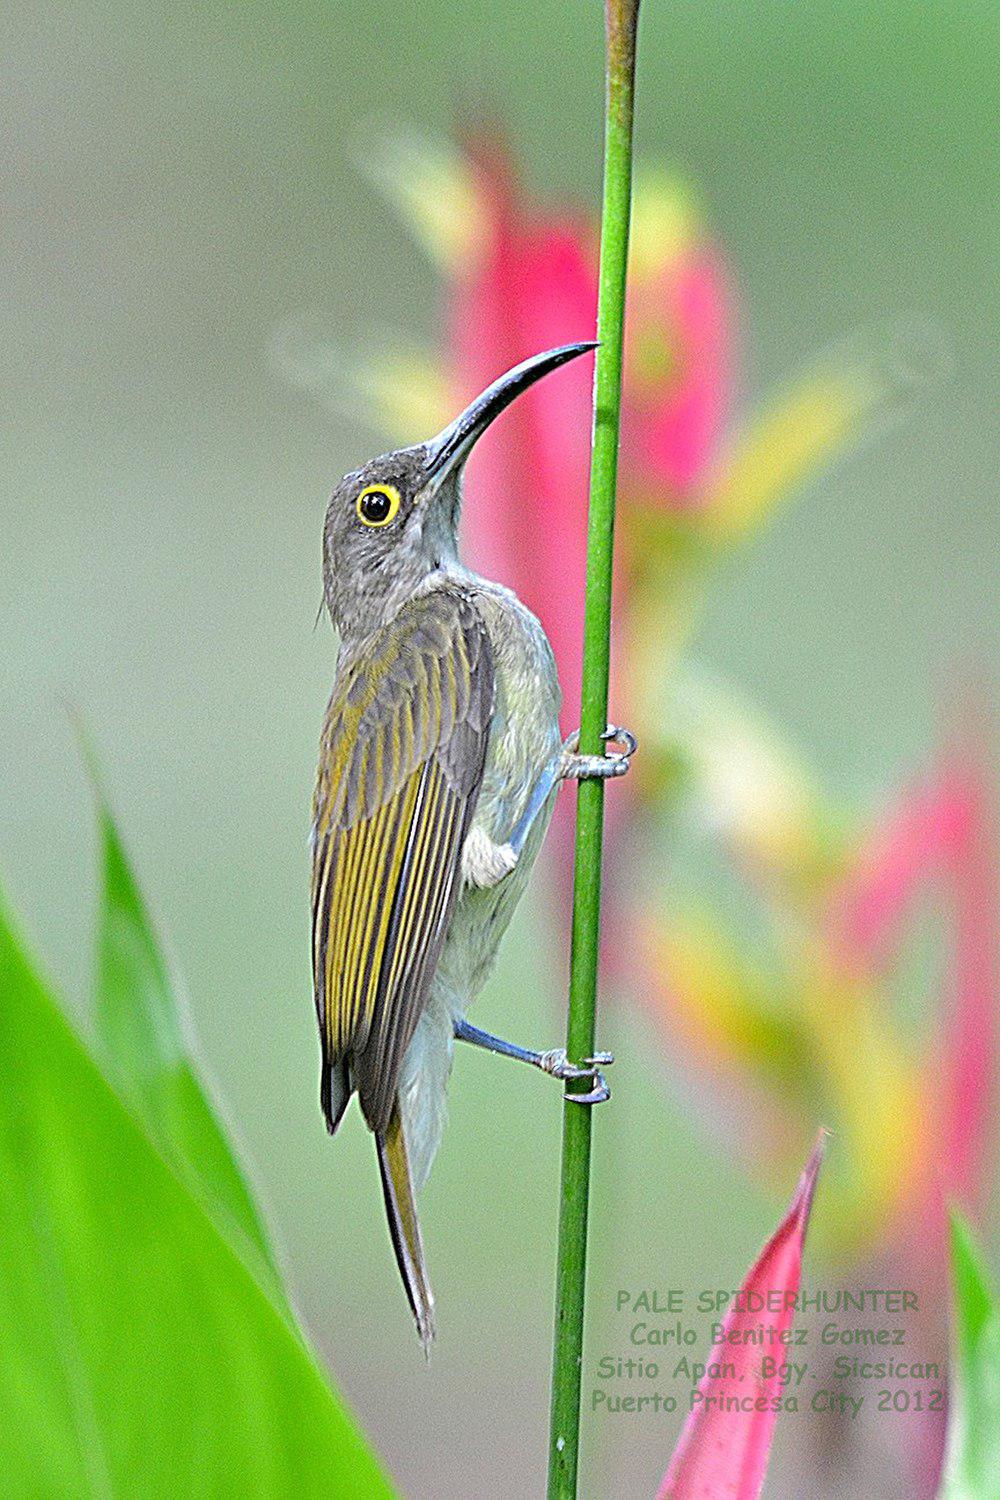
439	762
492	738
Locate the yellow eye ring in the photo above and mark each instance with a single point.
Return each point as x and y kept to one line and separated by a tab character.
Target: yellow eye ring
377	505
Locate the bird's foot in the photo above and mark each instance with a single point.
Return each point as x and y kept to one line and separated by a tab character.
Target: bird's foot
598	767
557	1063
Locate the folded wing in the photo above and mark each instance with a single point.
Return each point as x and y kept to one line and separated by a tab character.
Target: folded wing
401	763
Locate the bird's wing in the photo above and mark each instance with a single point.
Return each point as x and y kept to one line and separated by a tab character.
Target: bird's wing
401	762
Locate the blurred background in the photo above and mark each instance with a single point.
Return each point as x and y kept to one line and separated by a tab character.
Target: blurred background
246	247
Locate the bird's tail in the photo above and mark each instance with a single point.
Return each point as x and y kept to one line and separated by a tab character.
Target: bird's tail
404	1226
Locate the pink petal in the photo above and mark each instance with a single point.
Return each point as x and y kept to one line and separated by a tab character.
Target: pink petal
526	506
483	345
551	522
908	847
533	287
723	1453
940	834
672	425
965	1061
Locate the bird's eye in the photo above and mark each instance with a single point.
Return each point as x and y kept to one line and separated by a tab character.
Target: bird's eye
378	504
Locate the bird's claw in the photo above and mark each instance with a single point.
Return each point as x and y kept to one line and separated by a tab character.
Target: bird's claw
557	1063
615	734
599	1094
599	767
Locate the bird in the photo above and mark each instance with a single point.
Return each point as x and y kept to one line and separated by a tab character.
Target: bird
440	757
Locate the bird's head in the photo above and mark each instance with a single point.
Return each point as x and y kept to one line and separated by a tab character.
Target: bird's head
394	521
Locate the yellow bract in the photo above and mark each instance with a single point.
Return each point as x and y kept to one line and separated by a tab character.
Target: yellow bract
783	449
817	1045
665	222
434	186
409	395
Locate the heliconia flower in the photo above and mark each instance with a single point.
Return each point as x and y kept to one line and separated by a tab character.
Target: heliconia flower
537	267
678	348
435	188
939	835
969	1062
925	835
783	448
520	275
529	286
781	1045
831	405
802	1012
726	1441
742	787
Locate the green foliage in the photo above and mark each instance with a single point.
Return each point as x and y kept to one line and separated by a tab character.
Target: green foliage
146	1053
972	1466
138	1353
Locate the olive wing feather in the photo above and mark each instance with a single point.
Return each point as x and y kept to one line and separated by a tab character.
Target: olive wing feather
401	763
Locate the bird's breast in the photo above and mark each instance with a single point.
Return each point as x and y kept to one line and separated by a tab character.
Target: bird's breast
524	734
524	738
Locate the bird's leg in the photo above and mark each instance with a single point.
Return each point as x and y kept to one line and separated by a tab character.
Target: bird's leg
570	765
554	1062
540	792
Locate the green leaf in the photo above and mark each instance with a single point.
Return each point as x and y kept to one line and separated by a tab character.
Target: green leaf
138	1355
972	1463
142	1036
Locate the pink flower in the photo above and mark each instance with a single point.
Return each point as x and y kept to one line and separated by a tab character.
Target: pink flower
528	283
677	377
939	837
723	1450
529	286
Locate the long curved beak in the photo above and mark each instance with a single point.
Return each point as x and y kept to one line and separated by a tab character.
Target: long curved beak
449	450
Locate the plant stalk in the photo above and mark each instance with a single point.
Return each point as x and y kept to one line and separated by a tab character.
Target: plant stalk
567	1360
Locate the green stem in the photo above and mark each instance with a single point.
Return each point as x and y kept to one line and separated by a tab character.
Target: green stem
567	1363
